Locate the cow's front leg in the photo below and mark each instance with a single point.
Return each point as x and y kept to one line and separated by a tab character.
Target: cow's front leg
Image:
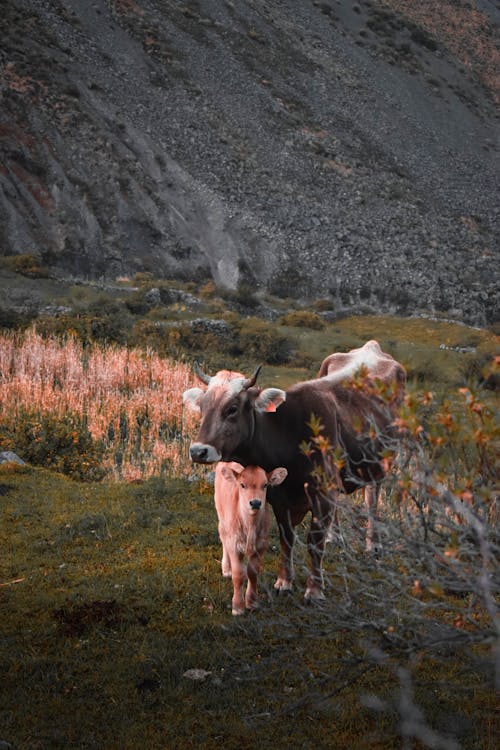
284	581
253	567
322	517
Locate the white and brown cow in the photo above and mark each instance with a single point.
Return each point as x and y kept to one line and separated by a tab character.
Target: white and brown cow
381	374
243	514
269	427
381	370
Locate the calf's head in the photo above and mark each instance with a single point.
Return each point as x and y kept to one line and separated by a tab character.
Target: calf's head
228	407
252	483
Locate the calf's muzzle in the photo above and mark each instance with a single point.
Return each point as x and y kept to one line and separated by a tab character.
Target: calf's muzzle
255	504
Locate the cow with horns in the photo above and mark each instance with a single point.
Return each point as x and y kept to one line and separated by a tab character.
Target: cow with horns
269	427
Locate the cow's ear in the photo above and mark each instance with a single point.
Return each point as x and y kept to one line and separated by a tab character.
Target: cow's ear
269	399
276	476
192	398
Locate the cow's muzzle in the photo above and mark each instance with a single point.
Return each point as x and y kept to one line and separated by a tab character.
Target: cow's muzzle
204	454
255	504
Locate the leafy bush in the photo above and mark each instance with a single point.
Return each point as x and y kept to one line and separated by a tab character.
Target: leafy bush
60	443
27	264
243	297
259	340
303	319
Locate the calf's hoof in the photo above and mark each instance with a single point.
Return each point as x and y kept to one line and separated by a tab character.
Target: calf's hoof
237	611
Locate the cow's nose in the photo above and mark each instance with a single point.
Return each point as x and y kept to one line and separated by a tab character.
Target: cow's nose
198	453
203	454
255	504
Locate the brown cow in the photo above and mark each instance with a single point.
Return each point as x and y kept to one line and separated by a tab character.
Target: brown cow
243	513
269	427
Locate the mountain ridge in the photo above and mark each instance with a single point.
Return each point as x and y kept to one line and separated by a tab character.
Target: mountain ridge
317	149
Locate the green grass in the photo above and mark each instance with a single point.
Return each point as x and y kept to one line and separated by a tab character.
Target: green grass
114	591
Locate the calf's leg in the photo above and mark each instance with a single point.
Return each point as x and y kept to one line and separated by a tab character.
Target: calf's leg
238	575
226	560
253	567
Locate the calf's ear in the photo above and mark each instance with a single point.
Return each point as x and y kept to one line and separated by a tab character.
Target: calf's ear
231	471
276	476
192	398
269	399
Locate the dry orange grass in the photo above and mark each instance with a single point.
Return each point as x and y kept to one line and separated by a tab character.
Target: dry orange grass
132	399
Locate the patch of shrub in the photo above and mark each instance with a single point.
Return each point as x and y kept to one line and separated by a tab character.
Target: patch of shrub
27	264
323	305
256	339
13	319
243	297
303	319
62	443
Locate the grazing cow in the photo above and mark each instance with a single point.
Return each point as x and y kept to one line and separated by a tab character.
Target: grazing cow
243	513
268	427
384	375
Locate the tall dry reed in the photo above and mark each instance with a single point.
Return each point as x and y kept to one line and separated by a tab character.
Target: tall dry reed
131	399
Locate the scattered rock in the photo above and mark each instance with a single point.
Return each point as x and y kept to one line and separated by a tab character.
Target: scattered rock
11	457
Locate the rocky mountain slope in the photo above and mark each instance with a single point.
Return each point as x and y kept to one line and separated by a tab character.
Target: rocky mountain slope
340	150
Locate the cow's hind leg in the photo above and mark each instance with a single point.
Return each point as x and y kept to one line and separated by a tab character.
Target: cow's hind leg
371	501
284	581
322	517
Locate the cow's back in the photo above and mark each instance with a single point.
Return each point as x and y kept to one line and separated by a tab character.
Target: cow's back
378	365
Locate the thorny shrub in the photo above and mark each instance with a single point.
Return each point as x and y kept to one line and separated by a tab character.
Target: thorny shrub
432	589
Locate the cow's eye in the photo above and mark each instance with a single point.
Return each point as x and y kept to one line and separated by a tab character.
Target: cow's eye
232	411
242	485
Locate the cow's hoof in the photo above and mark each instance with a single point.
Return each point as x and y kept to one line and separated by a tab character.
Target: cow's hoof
282	586
314	594
237	612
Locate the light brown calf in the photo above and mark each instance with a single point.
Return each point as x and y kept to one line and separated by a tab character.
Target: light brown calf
243	513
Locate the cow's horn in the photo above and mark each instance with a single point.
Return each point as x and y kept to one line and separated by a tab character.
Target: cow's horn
249	382
200	374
